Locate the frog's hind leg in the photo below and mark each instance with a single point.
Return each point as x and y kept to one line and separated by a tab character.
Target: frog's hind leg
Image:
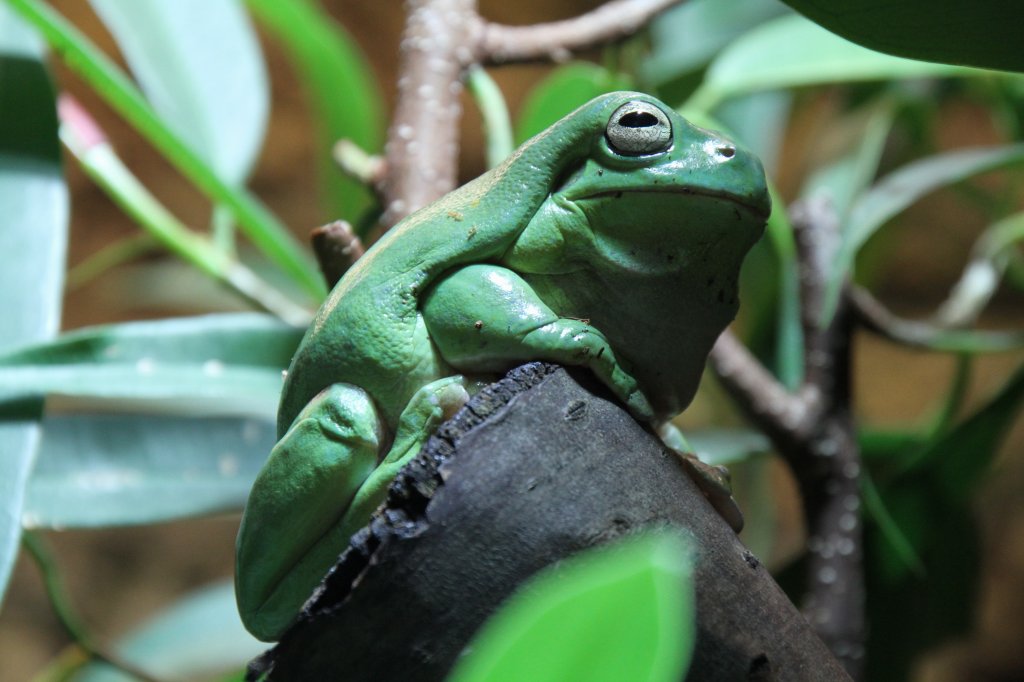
289	534
319	486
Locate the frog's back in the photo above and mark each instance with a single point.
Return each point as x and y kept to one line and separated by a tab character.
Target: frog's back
369	332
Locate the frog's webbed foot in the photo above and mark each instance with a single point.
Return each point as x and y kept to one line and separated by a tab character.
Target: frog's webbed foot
482	317
713	480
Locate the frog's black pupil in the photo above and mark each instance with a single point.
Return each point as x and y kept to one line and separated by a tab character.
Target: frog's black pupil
638	119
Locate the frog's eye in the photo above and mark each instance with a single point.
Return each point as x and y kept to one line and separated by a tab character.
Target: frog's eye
638	128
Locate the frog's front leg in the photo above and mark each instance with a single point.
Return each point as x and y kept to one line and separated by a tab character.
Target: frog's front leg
481	317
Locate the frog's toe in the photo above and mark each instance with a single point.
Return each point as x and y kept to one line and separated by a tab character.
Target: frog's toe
640	407
451	397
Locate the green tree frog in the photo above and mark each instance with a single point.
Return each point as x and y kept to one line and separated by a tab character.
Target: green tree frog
611	240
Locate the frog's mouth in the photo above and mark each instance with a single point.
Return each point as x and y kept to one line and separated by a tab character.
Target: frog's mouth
760	210
663	231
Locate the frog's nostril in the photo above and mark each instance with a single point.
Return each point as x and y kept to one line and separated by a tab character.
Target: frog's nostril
726	151
638	119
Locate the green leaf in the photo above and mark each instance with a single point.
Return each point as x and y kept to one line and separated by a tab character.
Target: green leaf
97	470
200	66
962	456
883	444
215	364
198	637
102	164
494	110
899	554
900	189
33	240
977	32
759	121
793	52
709	25
566	88
910	614
628	608
789	336
843	180
343	93
980	279
110	83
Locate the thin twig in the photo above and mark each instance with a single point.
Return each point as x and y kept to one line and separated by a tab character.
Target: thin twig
877	318
356	163
781	415
337	248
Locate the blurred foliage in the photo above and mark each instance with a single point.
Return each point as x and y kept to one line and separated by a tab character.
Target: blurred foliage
172	418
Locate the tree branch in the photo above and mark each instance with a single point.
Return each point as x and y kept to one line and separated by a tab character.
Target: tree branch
422	147
555	41
813	430
781	415
528	473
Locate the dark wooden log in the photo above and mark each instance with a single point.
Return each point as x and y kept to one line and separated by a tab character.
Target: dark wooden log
537	467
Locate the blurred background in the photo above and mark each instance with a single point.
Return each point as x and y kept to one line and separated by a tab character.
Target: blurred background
119	577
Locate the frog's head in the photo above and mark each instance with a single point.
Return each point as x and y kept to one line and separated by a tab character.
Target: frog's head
660	194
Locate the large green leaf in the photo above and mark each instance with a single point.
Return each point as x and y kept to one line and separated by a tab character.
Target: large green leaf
617	613
214	364
98	470
196	638
33	238
201	68
345	99
900	189
793	52
976	32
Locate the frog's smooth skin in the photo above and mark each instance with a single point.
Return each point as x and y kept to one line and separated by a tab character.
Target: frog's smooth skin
611	240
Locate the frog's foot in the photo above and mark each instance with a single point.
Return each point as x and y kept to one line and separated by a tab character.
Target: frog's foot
712	480
428	407
289	534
